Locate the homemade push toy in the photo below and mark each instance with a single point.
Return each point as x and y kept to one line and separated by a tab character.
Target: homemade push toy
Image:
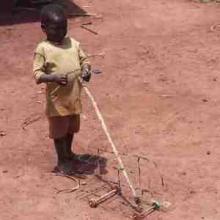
93	203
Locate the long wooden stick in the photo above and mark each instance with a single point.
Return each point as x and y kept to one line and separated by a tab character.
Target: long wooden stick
100	117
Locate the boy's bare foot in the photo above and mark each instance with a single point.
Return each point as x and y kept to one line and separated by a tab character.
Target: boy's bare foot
72	156
66	168
63	168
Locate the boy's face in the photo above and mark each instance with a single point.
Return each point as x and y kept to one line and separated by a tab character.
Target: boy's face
55	29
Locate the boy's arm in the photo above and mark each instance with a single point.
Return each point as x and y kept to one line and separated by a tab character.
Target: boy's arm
38	66
60	79
85	65
40	75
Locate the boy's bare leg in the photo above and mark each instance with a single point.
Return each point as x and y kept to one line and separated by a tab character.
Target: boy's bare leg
69	140
60	146
69	154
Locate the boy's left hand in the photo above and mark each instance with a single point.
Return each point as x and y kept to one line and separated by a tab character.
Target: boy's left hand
86	74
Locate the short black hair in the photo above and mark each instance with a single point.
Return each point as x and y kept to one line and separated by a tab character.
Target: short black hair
51	11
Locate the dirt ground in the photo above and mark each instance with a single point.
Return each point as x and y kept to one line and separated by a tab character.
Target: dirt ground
159	93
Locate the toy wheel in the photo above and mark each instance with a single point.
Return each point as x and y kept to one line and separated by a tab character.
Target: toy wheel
92	204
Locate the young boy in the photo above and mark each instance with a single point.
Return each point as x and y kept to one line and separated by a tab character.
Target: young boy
59	62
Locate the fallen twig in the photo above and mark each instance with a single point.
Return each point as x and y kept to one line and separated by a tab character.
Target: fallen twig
139	172
215	27
89	29
72	189
102	54
86	6
87	23
141	157
166	96
160	175
30	120
85	15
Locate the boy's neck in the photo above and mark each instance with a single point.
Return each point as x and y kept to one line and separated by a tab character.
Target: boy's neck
57	43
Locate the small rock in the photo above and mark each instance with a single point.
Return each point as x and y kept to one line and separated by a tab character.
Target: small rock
84	117
2	134
208	152
205	100
192	191
83	183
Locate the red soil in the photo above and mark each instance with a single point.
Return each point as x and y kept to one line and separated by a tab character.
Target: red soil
159	93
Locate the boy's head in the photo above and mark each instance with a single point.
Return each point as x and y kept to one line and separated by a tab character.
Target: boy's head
54	23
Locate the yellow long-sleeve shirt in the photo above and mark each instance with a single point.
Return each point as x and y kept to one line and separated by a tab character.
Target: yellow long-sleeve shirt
66	58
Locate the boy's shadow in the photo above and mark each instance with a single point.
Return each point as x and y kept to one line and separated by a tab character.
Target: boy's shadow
88	164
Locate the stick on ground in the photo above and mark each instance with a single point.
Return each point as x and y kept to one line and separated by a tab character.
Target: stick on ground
89	29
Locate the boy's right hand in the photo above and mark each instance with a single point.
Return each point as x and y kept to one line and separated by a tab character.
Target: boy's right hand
60	79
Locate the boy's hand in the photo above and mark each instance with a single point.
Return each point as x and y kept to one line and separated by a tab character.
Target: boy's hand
60	79
86	74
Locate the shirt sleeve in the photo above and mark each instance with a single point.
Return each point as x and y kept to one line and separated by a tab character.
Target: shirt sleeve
83	57
39	63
